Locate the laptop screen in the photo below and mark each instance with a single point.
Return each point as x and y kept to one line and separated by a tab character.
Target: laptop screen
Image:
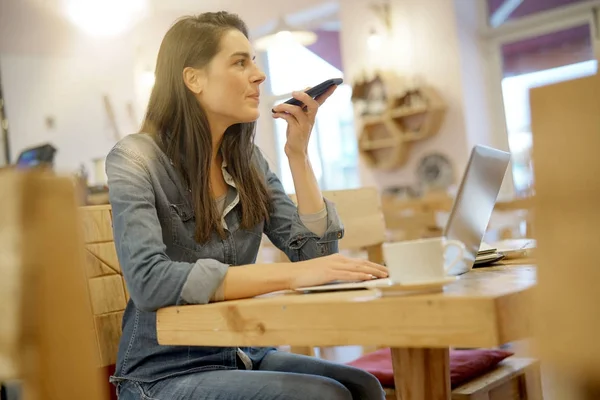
475	201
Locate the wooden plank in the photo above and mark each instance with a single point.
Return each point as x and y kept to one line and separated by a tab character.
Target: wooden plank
108	331
533	381
107	294
422	320
94	267
421	374
60	362
363	228
14	340
107	253
566	133
468	314
96	224
510	390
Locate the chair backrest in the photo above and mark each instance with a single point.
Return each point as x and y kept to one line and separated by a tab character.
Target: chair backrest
360	212
108	293
566	136
517	213
416	218
46	337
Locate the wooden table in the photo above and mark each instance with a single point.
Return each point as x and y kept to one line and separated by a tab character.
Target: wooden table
484	308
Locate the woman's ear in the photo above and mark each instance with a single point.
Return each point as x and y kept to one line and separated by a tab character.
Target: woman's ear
194	79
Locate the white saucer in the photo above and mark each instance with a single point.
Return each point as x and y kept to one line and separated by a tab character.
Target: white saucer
417	287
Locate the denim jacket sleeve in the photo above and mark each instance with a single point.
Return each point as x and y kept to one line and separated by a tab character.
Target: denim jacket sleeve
152	278
285	229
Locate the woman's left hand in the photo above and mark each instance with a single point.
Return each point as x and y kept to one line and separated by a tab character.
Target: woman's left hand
300	121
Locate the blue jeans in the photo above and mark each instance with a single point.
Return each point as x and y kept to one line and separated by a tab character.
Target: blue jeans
280	375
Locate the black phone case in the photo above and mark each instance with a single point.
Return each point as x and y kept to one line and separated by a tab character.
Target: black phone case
316	91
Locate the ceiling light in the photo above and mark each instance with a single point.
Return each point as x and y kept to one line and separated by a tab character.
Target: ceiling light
105	17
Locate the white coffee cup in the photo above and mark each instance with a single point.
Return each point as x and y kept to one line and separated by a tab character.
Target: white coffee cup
422	260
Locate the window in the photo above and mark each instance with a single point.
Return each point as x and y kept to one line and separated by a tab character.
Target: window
535	54
541	60
501	11
515	91
333	147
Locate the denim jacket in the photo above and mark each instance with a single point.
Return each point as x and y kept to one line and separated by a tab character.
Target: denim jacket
153	224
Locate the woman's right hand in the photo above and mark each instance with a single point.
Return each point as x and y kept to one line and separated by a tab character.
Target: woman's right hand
334	267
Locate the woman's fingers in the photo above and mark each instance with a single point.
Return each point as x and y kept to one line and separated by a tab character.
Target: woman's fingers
366	266
287	117
351	276
376	266
321	99
372	271
361	268
291	109
311	105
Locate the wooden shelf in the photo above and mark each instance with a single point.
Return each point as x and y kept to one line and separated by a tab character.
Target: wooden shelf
373	120
385	139
379	144
393	114
407	111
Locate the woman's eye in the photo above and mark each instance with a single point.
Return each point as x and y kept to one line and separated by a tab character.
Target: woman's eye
241	63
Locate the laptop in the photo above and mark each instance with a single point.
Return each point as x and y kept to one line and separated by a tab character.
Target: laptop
468	220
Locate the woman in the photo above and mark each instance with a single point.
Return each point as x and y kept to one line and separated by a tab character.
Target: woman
191	196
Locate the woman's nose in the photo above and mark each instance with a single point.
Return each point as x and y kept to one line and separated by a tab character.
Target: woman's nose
260	76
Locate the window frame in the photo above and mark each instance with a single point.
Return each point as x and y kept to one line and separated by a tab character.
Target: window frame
542	23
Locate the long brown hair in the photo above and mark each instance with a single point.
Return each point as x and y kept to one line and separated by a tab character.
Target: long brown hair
178	122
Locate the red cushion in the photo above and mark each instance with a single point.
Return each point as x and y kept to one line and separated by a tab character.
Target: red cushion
464	364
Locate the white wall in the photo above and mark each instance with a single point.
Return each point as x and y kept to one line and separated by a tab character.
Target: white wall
70	90
50	68
481	81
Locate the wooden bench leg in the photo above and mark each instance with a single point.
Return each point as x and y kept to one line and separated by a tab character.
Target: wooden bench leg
533	382
421	374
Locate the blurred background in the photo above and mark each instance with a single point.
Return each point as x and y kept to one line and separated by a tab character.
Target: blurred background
424	81
76	74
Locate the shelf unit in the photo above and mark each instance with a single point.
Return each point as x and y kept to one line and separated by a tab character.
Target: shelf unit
385	139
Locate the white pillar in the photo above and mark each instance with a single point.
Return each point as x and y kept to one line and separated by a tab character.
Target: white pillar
481	81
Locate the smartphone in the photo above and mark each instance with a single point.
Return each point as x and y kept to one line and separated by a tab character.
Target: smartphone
316	91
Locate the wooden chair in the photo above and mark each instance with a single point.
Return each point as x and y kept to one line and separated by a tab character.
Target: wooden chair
364	230
511	219
108	293
566	136
409	219
46	338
